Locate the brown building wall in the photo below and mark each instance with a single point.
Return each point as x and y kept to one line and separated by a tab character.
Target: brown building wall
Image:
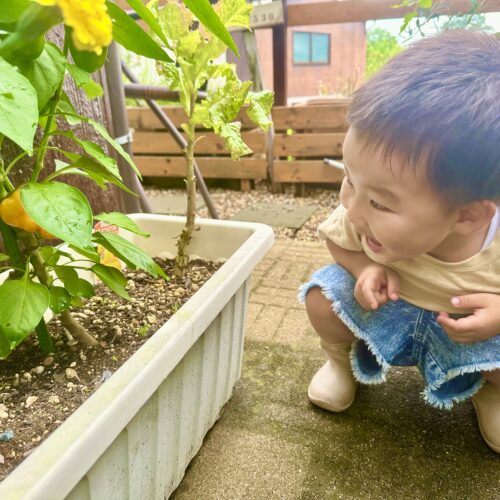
343	74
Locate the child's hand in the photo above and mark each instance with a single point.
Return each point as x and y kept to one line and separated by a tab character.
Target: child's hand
482	324
375	286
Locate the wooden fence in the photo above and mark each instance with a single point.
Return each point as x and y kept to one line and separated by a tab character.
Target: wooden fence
293	153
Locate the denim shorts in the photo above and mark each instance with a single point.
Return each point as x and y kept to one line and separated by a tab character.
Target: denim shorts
401	334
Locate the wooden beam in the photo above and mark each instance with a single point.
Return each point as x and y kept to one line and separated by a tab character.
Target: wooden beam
310	171
280	61
352	11
211	168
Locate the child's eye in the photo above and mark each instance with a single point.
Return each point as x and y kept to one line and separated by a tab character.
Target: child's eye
377	206
349	182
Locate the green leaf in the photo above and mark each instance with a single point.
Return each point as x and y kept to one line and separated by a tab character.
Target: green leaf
407	20
121	220
23	306
60	209
97	172
11	10
223	104
235	13
259	110
206	14
89	253
230	132
83	80
60	299
75	286
425	4
3	257
128	253
175	21
66	108
96	152
131	36
148	17
104	134
17	93
112	278
45	73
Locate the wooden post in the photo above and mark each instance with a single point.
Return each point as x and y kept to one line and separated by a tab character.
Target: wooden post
279	60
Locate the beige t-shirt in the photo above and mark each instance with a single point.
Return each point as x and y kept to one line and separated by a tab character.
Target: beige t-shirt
424	280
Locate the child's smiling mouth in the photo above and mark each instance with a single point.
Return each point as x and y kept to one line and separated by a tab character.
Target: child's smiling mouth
373	244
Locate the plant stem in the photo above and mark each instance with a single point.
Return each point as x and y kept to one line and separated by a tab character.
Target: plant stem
77	331
48	125
182	258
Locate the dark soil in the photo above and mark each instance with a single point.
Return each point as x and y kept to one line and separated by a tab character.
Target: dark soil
39	391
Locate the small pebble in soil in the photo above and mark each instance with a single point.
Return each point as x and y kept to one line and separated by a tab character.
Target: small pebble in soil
71	374
6	435
54	400
30	400
39	370
106	374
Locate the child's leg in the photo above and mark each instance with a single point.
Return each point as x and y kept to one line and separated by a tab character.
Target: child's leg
493	377
487	405
324	320
333	387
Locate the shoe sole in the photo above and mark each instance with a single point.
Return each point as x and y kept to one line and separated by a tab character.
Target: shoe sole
321	403
496	449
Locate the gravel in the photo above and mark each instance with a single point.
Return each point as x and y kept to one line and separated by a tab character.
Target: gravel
229	202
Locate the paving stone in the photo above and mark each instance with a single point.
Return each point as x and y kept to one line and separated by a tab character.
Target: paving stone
266	323
172	204
295	329
276	214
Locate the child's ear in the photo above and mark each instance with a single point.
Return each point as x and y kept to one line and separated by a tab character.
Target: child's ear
474	216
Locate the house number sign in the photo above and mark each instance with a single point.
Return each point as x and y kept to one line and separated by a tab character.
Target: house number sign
267	14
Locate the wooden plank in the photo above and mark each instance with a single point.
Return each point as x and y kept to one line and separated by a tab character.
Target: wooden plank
309	144
211	168
306	171
163	143
353	11
142	118
331	117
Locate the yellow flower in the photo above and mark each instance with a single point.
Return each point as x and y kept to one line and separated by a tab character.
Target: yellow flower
92	26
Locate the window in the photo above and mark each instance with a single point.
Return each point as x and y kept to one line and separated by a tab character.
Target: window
311	48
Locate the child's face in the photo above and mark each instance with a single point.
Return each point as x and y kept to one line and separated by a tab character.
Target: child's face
394	208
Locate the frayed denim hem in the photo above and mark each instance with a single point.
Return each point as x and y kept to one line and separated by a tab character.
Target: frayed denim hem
447	403
359	375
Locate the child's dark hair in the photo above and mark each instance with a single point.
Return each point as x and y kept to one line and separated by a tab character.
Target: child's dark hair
438	103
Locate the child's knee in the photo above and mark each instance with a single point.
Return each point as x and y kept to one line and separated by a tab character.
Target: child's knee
318	306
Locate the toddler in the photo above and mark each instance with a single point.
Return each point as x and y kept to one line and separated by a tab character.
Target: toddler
416	244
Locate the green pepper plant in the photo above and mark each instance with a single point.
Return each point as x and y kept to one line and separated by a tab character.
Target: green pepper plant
39	276
195	53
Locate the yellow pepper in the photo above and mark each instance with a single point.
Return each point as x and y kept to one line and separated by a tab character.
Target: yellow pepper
12	212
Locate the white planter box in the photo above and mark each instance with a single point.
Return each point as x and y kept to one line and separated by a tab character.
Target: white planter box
134	437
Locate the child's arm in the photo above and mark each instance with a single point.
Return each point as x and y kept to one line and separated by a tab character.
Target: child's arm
375	283
482	324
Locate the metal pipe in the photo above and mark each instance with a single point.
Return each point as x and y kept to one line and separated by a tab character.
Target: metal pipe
153	92
179	139
121	129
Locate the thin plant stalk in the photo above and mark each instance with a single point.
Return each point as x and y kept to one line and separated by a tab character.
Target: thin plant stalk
182	258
